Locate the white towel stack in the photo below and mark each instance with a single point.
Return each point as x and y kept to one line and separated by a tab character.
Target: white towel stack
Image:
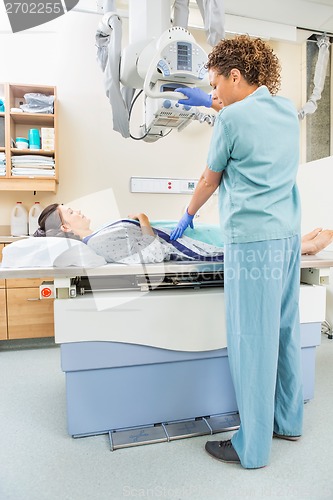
2	164
33	165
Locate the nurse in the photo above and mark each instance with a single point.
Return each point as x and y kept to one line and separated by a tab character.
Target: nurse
253	159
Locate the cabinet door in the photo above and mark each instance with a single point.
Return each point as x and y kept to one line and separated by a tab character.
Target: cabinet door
3	315
3	308
28	316
2	282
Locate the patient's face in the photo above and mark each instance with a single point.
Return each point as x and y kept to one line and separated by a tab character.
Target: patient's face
73	219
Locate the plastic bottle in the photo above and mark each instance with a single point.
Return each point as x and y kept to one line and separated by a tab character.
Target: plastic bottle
34	213
19	220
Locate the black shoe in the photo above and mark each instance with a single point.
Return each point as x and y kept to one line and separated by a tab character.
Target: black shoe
287	438
222	450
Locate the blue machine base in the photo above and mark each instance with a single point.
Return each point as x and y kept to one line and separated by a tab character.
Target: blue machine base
112	386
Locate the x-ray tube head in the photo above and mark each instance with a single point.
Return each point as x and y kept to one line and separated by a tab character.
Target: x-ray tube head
155	66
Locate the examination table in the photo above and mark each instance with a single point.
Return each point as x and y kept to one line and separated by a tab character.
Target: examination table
144	347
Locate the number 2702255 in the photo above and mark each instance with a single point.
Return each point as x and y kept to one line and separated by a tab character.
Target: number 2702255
34	8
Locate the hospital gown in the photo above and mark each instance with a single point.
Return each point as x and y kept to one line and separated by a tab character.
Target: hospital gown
123	242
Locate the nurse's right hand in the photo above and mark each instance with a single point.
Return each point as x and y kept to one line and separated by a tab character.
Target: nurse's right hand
185	221
195	97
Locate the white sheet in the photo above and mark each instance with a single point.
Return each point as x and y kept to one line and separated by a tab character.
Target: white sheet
50	252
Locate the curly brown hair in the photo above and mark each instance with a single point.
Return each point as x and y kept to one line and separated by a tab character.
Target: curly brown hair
253	57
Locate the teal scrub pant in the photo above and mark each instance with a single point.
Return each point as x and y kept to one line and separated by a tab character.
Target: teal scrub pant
261	286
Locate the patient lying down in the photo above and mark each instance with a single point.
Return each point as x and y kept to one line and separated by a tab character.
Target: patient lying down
127	241
136	241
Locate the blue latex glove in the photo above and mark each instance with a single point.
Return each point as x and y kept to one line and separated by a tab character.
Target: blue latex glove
185	221
195	97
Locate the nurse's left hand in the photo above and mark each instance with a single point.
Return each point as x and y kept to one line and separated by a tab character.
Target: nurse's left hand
185	221
195	97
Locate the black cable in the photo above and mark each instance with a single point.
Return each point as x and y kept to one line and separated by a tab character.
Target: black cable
129	118
133	102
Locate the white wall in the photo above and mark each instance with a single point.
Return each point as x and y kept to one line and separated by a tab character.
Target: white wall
92	157
315	182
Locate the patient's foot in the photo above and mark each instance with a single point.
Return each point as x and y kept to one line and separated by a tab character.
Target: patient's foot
312	235
316	241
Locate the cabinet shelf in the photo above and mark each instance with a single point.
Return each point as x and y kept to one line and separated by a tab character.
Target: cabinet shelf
42	119
28	184
42	152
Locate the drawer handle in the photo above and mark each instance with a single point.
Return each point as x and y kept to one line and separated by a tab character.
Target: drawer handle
33	300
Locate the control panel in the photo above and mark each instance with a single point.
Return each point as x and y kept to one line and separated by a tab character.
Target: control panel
162	185
183	58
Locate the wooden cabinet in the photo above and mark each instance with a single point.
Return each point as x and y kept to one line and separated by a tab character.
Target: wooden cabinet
22	313
3	314
28	316
3	306
2	282
17	124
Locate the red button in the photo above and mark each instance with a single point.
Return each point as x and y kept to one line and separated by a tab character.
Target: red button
46	292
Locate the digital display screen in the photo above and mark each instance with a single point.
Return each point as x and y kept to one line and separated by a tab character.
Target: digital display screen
184	56
171	87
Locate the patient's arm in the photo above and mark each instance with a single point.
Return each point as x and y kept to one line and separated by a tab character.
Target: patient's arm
317	240
144	223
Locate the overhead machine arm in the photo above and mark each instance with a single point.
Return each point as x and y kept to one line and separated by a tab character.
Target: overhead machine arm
158	59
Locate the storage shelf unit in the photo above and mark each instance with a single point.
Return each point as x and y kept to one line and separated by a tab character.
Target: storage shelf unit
17	124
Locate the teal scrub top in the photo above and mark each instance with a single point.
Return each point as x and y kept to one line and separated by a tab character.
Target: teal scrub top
255	144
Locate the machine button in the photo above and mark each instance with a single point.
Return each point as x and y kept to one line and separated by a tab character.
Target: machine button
162	65
167	103
187	107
